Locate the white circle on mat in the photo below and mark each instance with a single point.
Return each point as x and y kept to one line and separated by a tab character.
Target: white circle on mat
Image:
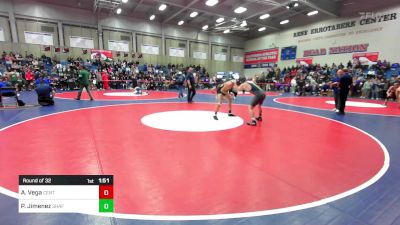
191	121
360	104
124	94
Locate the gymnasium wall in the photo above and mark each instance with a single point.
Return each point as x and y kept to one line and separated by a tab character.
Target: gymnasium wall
171	44
6	27
118	36
199	47
381	37
150	40
75	31
33	15
235	65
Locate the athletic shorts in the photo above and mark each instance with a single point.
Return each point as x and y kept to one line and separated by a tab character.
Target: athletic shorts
392	96
258	99
219	88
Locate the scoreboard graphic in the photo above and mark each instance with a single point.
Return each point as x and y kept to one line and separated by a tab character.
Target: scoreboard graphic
289	53
66	194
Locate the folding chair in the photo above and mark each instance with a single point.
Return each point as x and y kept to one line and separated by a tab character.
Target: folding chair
3	97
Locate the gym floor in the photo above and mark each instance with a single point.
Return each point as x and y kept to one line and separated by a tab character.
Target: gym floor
174	164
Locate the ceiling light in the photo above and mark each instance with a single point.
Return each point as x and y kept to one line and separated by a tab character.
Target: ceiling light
152	17
243	24
181	22
211	2
296	4
262	28
312	13
194	14
162	7
226	31
219	20
205	27
124	1
240	9
119	10
284	22
265	16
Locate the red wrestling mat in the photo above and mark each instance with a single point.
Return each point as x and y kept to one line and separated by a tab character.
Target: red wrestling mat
161	172
352	105
118	95
208	91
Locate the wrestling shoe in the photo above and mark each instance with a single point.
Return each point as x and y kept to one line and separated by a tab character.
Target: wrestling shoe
252	123
215	117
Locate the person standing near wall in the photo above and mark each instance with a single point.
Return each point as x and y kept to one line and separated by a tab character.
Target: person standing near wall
191	85
366	89
180	79
104	78
335	89
29	78
83	80
345	82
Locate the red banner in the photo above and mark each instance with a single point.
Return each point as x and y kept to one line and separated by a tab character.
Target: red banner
366	58
101	54
304	61
262	56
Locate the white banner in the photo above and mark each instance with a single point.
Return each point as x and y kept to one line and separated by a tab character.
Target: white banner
237	58
119	46
199	55
2	38
177	52
150	49
38	38
81	42
220	56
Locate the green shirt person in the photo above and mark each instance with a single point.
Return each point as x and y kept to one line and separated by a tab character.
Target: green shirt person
83	77
83	80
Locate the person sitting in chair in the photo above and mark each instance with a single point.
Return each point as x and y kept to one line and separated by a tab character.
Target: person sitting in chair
8	91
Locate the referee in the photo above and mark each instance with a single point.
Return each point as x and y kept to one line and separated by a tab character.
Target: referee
83	80
345	81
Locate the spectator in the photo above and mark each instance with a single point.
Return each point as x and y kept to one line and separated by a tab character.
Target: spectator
29	78
105	79
375	88
180	80
366	89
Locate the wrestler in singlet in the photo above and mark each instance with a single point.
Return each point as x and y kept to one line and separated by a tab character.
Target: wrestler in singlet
258	92
224	90
258	99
